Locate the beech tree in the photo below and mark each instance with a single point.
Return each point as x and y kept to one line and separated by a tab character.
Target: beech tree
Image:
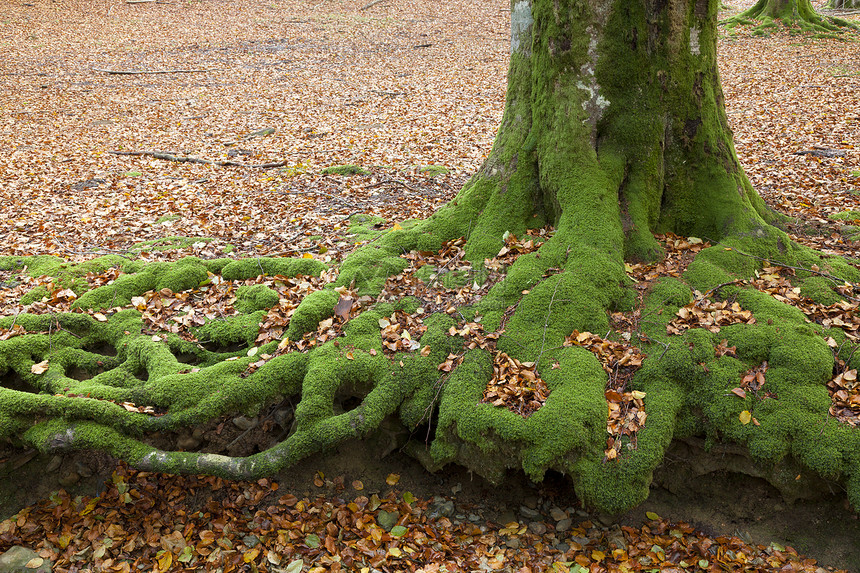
792	12
614	131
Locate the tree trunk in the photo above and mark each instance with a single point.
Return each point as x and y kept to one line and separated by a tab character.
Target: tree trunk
790	12
843	4
615	116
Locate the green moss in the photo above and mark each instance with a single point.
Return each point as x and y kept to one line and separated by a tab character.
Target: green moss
234	330
249	268
255	297
34	295
345	170
434	170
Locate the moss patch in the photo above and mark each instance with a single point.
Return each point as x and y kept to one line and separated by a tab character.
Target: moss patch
346	170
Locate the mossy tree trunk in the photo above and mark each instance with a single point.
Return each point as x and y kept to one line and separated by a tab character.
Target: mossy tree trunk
614	129
843	4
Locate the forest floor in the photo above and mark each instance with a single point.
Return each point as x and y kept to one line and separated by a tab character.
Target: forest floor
102	97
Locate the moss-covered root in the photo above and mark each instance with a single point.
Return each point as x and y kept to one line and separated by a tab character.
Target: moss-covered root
330	375
799	13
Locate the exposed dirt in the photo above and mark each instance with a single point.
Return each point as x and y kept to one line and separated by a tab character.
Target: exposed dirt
711	496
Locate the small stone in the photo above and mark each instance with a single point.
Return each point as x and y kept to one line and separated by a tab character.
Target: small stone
563	525
83	469
512	543
187	443
562	547
616	537
506	517
474	517
440	507
15	560
530	501
387	519
69	479
528	512
557	513
583	541
54	464
244	423
537	527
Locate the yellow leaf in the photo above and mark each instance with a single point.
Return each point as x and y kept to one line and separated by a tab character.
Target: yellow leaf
652	516
251	554
307	256
745	417
637	394
394	552
396	227
100	317
39	368
34	563
392	479
165	560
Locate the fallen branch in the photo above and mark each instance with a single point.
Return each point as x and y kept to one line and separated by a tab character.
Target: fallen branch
374	3
139	72
180	159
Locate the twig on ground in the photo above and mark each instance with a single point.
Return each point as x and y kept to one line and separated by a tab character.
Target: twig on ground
141	72
374	3
181	159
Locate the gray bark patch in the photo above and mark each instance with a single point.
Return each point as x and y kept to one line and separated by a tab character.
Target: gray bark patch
521	27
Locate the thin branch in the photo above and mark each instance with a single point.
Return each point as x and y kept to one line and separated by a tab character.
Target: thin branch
141	72
374	3
182	159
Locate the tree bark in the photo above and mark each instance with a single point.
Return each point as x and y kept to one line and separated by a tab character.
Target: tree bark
614	113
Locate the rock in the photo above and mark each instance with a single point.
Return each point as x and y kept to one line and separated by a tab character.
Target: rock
187	442
513	543
22	560
530	501
69	479
83	469
563	525
557	513
616	537
244	423
537	527
440	507
507	517
387	519
528	512
474	517
251	541
562	547
54	464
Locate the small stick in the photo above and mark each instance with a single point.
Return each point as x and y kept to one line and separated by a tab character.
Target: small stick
139	72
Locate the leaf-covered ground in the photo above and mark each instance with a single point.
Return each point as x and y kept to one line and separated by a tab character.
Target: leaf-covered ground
226	156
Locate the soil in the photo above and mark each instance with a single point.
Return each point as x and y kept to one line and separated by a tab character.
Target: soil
711	497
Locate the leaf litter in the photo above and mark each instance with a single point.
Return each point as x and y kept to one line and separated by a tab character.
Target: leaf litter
795	129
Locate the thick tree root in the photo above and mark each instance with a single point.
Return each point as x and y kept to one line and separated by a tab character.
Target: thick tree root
686	383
